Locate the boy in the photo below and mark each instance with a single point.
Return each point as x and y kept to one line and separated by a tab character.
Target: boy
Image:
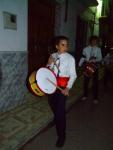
91	54
108	70
63	65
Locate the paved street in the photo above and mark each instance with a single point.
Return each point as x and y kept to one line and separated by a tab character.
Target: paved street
89	126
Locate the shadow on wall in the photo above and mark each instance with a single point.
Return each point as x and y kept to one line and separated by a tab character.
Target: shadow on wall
0	75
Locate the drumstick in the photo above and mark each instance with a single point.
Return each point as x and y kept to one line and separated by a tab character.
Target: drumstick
54	84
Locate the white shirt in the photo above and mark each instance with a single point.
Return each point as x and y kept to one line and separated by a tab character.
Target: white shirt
108	59
65	63
89	52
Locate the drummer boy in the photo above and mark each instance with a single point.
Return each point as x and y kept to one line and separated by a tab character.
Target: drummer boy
91	54
63	65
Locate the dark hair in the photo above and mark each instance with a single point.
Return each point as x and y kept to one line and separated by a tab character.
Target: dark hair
94	37
57	39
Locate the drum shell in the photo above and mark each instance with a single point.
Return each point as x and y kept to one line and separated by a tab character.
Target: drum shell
33	85
89	69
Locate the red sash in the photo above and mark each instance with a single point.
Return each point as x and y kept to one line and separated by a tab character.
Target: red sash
62	81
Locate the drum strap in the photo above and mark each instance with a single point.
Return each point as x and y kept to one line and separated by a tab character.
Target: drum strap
57	65
92	54
58	68
61	81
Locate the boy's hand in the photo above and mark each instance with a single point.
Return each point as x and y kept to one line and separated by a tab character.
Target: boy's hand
65	91
50	60
93	60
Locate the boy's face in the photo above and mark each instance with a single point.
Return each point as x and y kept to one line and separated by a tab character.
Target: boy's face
62	46
94	42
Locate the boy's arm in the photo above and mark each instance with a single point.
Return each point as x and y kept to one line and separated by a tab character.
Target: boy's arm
72	73
82	59
73	76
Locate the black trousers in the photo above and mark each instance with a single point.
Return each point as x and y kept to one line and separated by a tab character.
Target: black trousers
57	103
94	79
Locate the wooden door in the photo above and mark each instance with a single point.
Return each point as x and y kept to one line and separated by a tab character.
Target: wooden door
41	18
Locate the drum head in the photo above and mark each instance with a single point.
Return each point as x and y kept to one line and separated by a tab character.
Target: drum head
42	76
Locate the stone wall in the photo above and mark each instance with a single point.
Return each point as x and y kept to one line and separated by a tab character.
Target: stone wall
13	73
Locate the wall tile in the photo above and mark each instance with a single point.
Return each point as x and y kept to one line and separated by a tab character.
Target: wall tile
13	73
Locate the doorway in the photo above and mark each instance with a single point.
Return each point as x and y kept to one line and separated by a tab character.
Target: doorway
41	21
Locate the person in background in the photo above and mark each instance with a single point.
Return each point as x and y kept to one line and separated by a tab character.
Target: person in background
108	68
91	54
63	65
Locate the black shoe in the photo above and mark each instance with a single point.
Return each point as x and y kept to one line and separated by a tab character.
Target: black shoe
95	101
84	98
60	142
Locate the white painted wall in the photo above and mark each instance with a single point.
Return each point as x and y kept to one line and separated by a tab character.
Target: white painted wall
14	40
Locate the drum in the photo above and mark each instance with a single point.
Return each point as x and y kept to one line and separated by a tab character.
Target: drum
89	69
41	82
